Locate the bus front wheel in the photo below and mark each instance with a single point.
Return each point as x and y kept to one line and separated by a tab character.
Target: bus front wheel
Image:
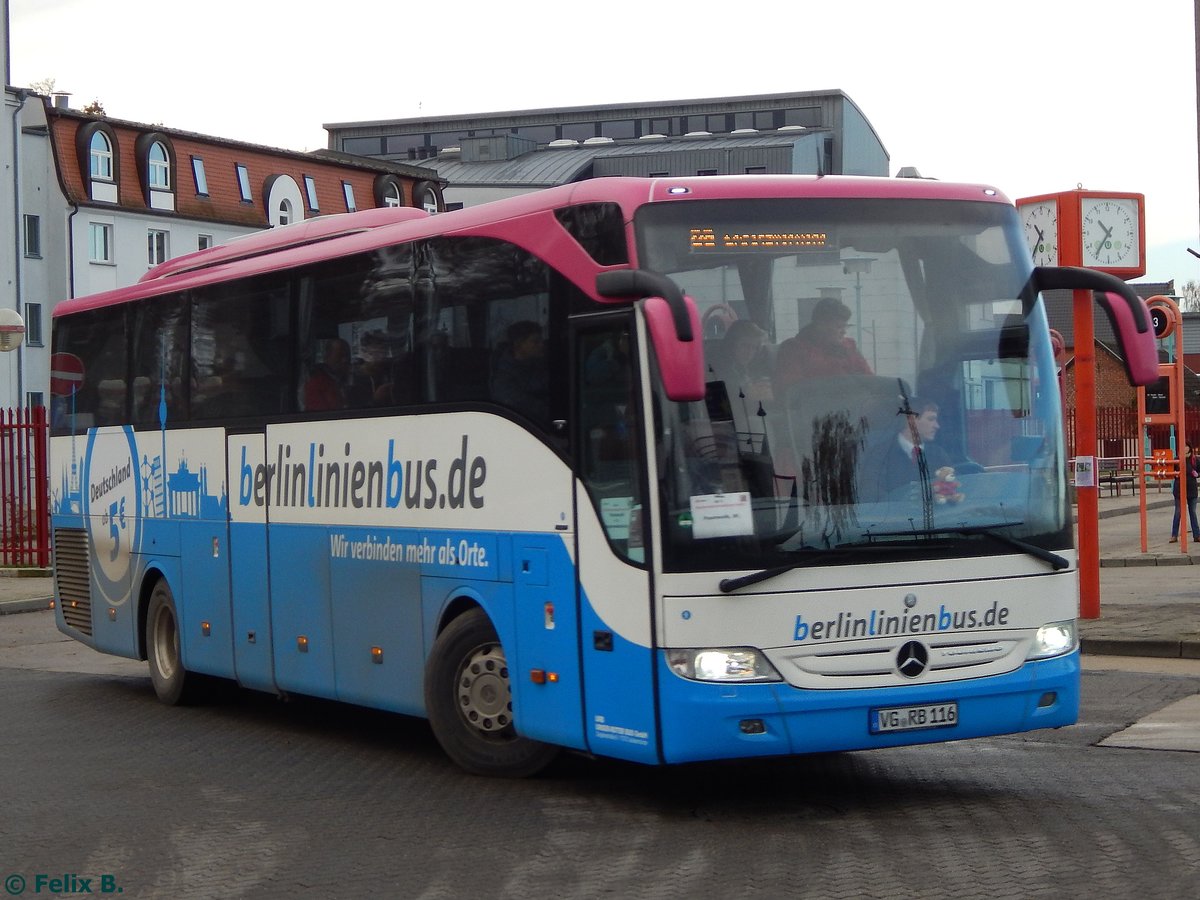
468	697
172	682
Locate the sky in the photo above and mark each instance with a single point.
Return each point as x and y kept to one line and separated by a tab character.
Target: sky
1031	96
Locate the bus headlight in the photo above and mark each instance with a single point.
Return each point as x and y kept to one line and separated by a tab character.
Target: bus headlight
1053	639
722	664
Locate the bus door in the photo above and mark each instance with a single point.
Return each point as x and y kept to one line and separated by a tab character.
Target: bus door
613	579
249	561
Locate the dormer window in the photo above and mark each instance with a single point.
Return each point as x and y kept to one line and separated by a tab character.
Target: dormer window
156	170
99	160
388	191
101	157
160	167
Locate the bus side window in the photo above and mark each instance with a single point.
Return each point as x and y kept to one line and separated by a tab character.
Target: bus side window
159	361
238	367
490	326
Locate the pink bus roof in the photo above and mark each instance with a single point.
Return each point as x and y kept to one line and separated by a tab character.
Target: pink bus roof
317	240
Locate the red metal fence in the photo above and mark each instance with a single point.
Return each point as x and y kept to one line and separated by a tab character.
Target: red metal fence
24	488
1117	433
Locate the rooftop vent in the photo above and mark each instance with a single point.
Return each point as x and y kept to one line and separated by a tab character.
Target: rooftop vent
562	144
744	131
450	152
653	137
793	128
698	134
598	140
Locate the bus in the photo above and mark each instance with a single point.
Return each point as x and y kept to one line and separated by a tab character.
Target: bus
573	471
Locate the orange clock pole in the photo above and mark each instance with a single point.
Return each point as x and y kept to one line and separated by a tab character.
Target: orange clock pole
1087	498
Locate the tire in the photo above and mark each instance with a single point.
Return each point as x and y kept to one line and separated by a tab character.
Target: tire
173	684
468	698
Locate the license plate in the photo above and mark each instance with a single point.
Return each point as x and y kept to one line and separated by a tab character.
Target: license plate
912	718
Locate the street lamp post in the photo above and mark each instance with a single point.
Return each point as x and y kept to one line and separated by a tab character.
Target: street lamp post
857	266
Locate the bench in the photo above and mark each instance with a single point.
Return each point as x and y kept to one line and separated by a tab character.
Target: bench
1111	474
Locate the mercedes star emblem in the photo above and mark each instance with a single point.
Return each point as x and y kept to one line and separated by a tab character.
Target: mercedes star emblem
912	659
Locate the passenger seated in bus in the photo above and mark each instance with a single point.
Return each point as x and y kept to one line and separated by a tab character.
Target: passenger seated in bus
897	462
333	385
520	378
821	348
740	361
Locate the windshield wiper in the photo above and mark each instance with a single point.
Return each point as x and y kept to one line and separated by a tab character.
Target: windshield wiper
1053	559
729	585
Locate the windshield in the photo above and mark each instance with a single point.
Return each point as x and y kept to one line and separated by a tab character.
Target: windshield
876	388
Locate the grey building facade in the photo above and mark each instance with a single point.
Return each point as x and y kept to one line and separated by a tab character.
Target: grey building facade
488	156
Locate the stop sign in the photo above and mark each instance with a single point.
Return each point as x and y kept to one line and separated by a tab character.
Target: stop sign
66	374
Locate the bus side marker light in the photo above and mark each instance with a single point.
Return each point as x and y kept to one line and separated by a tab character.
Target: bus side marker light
537	676
549	616
752	726
206	629
377	655
112	614
216	548
302	644
53	604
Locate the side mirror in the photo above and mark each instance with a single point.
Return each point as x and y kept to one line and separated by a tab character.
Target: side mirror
681	363
633	284
673	323
1127	313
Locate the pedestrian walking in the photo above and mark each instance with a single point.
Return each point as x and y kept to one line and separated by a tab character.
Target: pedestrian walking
1189	467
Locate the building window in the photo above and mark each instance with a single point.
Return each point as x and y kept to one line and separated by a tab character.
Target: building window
578	131
201	178
284	216
426	198
100	246
348	193
366	146
157	246
243	177
33	236
310	191
101	158
766	120
33	324
398	143
204	242
756	170
706	171
160	167
391	194
619	130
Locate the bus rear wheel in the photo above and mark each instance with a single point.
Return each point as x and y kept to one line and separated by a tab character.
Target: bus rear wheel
173	683
468	697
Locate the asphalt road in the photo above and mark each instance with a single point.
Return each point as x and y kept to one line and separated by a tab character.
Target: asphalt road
250	796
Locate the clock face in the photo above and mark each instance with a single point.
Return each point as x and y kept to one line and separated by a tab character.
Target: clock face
1040	223
1110	232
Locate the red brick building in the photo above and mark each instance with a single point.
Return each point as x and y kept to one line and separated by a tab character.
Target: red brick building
102	200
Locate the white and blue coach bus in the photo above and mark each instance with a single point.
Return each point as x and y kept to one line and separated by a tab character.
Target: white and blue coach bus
567	471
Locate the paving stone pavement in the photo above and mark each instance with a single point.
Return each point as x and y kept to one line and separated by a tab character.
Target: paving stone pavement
1149	601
